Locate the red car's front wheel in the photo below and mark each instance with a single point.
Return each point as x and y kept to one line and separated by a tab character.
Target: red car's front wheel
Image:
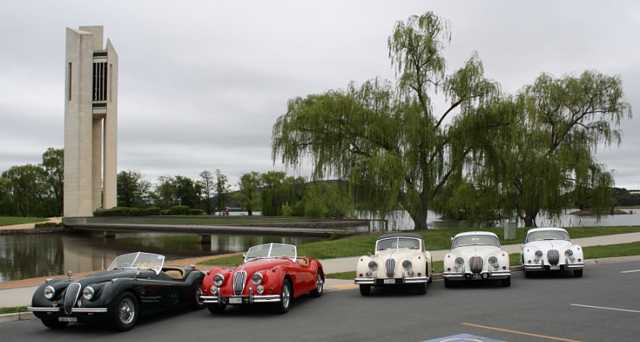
286	297
317	292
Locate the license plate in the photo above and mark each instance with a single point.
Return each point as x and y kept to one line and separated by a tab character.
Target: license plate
389	281
477	276
557	267
68	319
235	300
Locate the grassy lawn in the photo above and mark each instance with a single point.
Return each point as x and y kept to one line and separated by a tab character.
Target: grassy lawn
9	220
435	239
13	309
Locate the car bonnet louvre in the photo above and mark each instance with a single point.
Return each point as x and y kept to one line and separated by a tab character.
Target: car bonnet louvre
239	279
390	267
71	297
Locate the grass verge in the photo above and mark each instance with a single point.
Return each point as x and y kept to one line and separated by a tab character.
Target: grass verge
10	220
435	239
13	309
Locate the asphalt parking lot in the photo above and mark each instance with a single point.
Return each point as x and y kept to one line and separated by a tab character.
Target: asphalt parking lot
604	305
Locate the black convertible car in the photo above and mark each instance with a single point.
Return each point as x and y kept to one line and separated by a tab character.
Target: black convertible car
134	284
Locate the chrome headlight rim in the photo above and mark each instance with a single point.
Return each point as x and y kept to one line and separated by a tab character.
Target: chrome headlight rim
493	261
373	266
568	253
218	279
257	278
88	292
49	292
538	254
459	261
407	264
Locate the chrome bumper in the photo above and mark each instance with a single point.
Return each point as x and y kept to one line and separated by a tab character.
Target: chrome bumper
58	309
545	267
476	276
243	299
397	281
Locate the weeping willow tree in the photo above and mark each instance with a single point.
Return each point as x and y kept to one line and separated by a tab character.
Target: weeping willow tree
542	157
385	137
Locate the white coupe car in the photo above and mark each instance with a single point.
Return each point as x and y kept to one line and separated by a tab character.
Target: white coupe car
547	249
399	259
476	256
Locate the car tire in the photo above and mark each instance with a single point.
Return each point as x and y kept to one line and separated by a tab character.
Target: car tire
506	282
421	289
526	274
317	292
365	290
125	312
286	297
447	283
197	303
216	309
577	273
54	324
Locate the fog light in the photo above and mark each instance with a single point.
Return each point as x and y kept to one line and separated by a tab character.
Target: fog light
214	290
260	289
369	274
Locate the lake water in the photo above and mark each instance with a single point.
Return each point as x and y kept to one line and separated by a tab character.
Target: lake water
26	256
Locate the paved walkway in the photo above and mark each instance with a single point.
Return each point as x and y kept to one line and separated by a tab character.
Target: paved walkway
31	225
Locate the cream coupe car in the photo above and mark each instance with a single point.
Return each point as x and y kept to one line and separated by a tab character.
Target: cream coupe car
476	256
548	249
400	259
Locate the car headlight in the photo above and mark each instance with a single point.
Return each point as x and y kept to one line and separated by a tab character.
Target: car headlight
406	264
218	279
88	292
459	261
538	254
49	292
214	290
256	278
493	261
373	265
568	253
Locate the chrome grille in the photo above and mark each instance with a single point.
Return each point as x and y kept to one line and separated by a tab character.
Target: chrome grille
71	296
390	266
238	282
553	256
475	264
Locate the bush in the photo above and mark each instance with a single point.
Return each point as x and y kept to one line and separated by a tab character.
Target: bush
151	211
115	211
196	212
46	225
178	210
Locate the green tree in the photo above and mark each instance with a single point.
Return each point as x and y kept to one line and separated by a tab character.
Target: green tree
53	164
165	192
327	199
278	190
29	190
208	187
249	185
222	187
6	197
187	191
388	141
133	190
543	158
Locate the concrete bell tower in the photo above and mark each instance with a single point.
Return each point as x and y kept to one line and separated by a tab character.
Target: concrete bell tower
90	122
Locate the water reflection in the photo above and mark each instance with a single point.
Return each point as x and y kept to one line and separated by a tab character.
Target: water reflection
26	256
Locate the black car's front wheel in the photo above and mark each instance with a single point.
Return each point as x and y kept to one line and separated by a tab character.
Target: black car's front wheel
286	297
54	324
198	303
125	312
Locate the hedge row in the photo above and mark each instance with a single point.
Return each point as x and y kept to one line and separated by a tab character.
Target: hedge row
130	211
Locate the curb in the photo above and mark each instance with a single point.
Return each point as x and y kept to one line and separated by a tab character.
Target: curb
16	316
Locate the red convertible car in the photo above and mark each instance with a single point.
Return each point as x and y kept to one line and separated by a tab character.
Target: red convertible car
271	273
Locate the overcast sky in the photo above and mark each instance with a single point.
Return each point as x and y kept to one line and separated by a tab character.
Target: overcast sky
201	85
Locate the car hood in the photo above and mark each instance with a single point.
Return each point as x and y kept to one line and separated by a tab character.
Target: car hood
545	245
402	253
262	264
469	251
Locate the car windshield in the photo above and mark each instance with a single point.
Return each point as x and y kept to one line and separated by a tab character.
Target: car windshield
475	240
271	250
547	235
138	261
397	242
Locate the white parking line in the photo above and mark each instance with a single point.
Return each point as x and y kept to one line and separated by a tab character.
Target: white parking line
630	271
605	308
